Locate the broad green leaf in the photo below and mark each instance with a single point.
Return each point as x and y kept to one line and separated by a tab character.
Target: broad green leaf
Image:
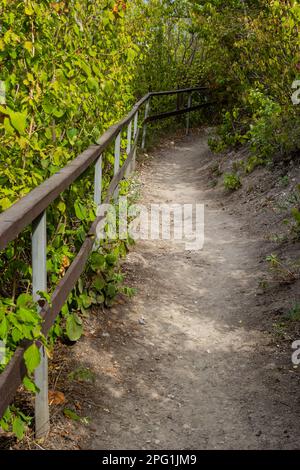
111	259
73	328
24	300
32	358
18	427
30	385
18	121
99	283
111	290
97	261
26	315
3	328
61	206
71	414
58	112
29	11
8	127
5	203
17	335
80	211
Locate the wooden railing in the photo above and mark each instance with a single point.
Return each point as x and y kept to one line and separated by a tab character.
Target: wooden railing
32	208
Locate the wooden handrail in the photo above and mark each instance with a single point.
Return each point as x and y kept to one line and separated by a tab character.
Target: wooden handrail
30	207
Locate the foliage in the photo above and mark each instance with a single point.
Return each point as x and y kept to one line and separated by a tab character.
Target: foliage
68	69
252	52
281	270
15	420
232	181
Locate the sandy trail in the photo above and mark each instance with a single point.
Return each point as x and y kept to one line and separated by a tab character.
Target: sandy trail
200	373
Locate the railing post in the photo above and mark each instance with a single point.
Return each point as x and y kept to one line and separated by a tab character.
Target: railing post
188	114
128	148
147	111
39	283
135	130
98	181
117	162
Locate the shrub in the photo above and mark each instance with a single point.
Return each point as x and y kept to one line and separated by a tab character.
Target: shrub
232	181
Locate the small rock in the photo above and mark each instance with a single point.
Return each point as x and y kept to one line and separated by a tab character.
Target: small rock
271	366
142	321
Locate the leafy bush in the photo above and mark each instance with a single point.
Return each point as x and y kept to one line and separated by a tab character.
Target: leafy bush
232	181
68	69
252	53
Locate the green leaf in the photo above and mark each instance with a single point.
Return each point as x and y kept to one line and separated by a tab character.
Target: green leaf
29	11
72	415
131	54
32	358
80	211
73	328
71	134
58	112
26	315
18	121
99	283
18	427
65	310
111	259
61	206
86	300
97	261
16	335
4	328
7	126
30	385
92	84
23	300
5	203
111	290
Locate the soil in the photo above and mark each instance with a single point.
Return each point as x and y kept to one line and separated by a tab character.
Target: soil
200	356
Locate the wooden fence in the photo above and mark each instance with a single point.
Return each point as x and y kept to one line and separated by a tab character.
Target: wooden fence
32	208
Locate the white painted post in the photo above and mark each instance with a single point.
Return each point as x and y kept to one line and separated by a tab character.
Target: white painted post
147	111
39	283
188	114
129	136
117	162
98	181
135	129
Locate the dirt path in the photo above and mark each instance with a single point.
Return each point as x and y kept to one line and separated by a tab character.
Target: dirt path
200	373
